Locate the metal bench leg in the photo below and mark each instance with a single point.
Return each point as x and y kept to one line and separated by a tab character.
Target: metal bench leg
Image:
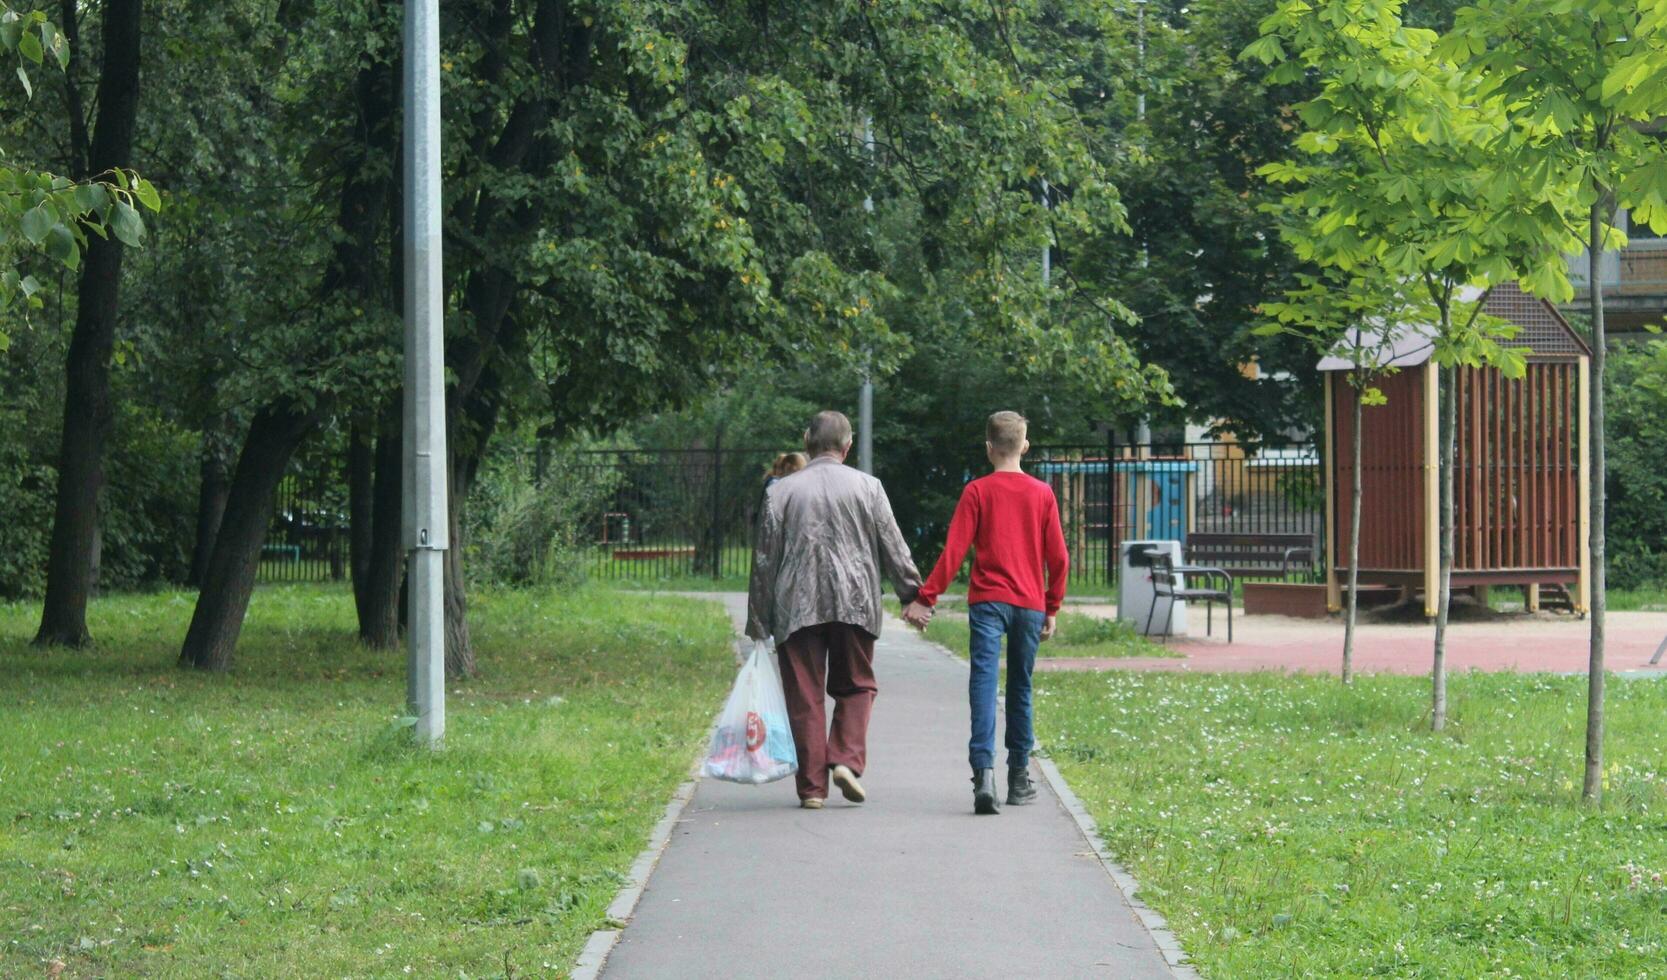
1229	616
1209	618
1658	652
1149	613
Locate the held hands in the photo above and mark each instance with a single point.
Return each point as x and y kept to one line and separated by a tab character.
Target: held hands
917	615
1049	625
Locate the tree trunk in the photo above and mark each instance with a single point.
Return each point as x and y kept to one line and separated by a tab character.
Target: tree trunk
379	618
1354	536
471	428
460	649
1444	596
361	476
479	414
1592	784
382	622
211	506
70	567
275	434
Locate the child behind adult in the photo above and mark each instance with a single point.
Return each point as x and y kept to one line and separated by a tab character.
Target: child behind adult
1019	570
786	464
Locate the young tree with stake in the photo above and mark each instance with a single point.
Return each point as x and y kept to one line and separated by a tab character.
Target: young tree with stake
1401	177
1585	86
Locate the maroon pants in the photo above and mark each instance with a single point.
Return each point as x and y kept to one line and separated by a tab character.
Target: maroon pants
837	658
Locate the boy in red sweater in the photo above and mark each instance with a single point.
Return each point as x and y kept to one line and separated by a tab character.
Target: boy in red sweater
1012	522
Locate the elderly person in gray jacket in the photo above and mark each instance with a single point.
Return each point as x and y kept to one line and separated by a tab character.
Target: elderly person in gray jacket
826	534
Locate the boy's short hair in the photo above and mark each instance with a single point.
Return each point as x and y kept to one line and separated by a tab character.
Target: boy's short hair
1006	433
828	432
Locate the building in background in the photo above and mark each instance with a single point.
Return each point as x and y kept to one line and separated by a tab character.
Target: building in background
1634	283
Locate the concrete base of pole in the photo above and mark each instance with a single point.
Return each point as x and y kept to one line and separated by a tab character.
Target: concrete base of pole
426	672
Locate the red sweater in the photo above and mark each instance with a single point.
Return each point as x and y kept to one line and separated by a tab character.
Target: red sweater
1012	520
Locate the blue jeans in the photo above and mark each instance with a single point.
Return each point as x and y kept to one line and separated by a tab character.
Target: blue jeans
990	621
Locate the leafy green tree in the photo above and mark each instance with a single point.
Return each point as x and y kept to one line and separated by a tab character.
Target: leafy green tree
325	304
41	211
102	152
1586	88
1186	126
645	201
1402	183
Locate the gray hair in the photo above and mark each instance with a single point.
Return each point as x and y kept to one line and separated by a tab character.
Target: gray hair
828	432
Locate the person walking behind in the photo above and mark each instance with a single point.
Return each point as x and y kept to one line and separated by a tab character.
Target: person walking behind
1011	520
786	464
815	588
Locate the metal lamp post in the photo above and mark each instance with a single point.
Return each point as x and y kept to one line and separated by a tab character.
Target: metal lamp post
425	523
865	395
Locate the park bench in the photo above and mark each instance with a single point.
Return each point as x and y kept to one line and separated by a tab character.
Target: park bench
1168	584
1251	555
290	551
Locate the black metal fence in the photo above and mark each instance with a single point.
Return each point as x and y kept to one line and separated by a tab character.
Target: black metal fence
307	541
1115	493
1170	491
667	514
674	513
690	513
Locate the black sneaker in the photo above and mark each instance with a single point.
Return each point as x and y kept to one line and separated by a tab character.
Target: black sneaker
1020	790
984	791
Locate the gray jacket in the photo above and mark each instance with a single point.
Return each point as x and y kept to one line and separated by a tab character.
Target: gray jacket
825	536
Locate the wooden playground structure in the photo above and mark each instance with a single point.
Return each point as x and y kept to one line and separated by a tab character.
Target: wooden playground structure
1521	472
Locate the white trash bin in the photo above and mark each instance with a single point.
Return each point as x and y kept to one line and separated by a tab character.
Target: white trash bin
1135	592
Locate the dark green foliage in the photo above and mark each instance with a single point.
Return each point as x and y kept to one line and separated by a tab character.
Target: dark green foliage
25	512
929	419
1202	257
150	497
1637	483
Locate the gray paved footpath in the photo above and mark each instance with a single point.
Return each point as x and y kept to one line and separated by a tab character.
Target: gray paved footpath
910	884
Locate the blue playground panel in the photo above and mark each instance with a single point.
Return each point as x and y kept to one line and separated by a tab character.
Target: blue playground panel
1164	498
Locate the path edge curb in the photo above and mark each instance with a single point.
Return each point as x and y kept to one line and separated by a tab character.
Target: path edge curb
601	943
1154	922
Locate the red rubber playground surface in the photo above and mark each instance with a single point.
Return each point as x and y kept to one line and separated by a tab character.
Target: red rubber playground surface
1544	642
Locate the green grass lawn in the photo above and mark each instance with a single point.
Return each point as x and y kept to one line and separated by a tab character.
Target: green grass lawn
275	821
681	572
1653	599
1644	599
675	583
1288	826
1079	635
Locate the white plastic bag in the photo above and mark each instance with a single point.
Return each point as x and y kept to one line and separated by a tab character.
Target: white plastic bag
753	743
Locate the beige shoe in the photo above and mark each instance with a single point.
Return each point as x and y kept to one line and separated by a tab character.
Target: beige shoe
811	804
847	783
